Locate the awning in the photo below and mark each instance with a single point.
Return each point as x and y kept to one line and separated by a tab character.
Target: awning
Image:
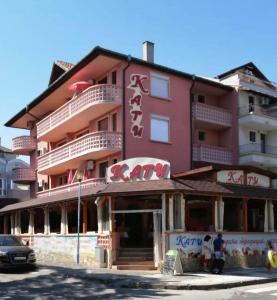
44	200
240	191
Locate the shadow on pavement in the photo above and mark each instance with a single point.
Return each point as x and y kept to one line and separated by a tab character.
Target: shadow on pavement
59	284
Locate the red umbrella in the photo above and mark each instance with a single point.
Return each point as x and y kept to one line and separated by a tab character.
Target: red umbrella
79	86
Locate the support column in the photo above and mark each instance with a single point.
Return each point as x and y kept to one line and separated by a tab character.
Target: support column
46	220
270	216
12	223
163	225
110	215
64	221
31	229
219	214
171	213
99	219
183	212
6	224
266	216
17	227
85	216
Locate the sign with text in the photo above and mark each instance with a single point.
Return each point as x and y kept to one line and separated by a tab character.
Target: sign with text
190	244
138	169
238	177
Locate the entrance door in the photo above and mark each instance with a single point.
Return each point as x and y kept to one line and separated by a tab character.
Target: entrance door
263	142
157	220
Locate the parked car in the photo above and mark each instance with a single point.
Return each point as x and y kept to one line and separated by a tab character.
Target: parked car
14	253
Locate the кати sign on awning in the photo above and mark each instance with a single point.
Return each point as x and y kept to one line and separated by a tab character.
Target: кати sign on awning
138	169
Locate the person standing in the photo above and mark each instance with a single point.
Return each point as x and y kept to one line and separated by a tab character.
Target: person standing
219	258
207	251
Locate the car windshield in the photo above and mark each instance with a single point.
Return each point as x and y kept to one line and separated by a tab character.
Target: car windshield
10	241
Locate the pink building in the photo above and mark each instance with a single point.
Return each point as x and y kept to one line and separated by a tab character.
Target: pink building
109	108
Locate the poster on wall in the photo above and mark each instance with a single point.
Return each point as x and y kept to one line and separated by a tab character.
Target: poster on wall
190	244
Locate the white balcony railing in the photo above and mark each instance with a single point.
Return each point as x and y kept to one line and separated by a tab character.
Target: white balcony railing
23	175
213	154
87	184
252	148
86	144
212	114
97	94
256	110
23	144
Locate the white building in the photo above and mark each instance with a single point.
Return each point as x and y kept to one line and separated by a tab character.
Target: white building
257	115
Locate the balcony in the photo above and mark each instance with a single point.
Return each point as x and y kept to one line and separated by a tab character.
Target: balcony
23	145
212	154
87	184
76	113
257	117
258	155
253	83
23	175
211	116
90	146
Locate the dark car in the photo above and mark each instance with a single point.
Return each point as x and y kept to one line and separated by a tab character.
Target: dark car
13	253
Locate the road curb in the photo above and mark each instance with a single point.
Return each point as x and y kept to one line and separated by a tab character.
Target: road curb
123	283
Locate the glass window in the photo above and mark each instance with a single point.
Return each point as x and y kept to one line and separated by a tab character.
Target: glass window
201	135
102	169
103	125
114	121
159	129
114	77
159	86
252	136
177	211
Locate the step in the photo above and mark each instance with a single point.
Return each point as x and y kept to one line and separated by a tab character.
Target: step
135	258
136	249
136	267
128	262
137	254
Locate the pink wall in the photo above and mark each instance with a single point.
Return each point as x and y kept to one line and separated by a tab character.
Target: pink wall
178	111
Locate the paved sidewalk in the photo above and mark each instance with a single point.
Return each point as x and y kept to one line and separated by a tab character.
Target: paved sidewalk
155	280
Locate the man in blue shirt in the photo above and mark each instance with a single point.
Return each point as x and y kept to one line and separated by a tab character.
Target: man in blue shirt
219	258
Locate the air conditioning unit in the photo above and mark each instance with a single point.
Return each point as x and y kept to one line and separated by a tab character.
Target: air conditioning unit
41	183
90	165
264	101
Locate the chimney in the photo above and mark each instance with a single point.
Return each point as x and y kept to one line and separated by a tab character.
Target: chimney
148	51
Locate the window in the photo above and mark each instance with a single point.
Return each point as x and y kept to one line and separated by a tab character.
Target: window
251	102
252	136
103	81
159	86
103	125
114	121
62	180
159	129
84	132
201	135
114	77
201	98
102	169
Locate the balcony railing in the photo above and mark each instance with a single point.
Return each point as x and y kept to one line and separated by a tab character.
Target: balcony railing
87	144
23	144
212	154
97	94
256	110
212	114
259	85
87	184
23	175
253	148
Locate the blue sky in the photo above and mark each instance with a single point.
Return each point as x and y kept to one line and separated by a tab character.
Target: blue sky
198	37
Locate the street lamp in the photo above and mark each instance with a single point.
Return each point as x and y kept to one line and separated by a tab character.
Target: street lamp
79	178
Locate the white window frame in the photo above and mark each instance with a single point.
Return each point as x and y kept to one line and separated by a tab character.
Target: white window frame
160	118
158	76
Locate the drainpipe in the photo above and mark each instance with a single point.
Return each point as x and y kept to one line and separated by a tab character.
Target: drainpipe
190	116
129	58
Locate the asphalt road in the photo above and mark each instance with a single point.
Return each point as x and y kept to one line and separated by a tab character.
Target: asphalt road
53	284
